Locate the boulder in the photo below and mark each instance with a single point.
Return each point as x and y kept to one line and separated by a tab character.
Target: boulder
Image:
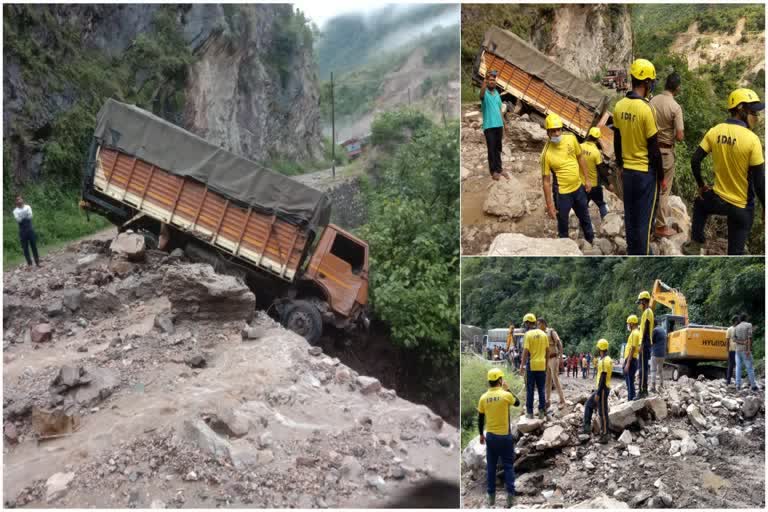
100	302
553	437
230	423
473	456
101	383
68	376
41	333
688	446
634	450
528	426
506	199
730	404
624	415
368	385
86	261
612	225
196	292
202	436
625	437
164	322
121	267
525	136
621	245
516	244
55	308
529	483
602	501
751	407
129	245
695	416
674	447
56	486
658	406
605	245
72	298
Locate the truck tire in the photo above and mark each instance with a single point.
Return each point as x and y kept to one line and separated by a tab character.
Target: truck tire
304	319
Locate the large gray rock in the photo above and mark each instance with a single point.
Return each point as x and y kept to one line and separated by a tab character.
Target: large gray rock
197	292
102	382
72	298
368	385
623	415
553	437
695	416
473	456
751	407
41	333
658	406
201	435
526	136
506	199
129	245
516	244
612	225
528	426
56	486
602	501
688	446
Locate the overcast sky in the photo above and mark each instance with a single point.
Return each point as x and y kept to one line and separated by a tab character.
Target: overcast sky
320	12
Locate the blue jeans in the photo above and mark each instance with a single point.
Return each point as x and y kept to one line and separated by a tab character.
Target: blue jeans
629	379
537	379
579	202
598	400
741	361
641	192
500	446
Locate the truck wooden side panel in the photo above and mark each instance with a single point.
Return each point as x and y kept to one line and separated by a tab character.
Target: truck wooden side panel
262	240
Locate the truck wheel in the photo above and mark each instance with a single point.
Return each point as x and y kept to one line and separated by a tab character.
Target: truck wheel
304	319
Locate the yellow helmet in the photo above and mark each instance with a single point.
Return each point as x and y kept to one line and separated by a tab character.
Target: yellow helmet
740	96
494	374
553	121
595	132
642	69
530	317
632	319
643	295
602	344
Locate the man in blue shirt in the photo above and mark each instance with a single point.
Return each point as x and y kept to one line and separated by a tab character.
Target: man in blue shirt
658	353
493	124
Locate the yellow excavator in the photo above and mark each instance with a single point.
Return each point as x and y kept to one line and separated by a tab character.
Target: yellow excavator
688	344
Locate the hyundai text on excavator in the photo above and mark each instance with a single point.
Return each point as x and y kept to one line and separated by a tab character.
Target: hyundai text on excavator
688	344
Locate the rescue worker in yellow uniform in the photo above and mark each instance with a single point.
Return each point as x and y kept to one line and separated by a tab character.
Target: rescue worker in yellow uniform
638	155
495	433
599	398
631	356
562	158
595	169
646	333
534	365
739	164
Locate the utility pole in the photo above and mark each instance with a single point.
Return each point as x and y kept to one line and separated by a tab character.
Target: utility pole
333	131
409	96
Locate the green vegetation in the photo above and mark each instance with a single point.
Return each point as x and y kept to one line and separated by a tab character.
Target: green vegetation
474	383
413	209
348	40
590	298
291	34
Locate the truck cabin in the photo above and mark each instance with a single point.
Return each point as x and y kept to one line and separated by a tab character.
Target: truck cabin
672	323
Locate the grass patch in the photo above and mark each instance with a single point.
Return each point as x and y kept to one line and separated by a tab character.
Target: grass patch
57	220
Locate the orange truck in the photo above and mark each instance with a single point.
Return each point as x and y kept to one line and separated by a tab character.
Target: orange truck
146	174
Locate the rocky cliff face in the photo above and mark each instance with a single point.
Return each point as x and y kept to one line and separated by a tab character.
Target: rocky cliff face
587	38
236	91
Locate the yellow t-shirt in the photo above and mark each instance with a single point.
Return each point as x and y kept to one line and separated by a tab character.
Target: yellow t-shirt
604	365
536	342
635	121
734	149
562	160
633	340
593	158
646	324
495	405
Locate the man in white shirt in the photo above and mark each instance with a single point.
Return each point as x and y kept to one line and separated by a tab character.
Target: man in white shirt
23	215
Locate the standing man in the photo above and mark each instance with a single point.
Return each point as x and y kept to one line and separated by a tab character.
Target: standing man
584	364
599	397
637	153
493	124
553	362
631	355
669	121
562	157
595	169
646	330
742	335
589	363
739	165
493	422
534	365
659	352
23	215
731	350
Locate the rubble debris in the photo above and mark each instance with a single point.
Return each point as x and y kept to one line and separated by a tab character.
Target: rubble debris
164	322
56	486
130	245
41	333
368	385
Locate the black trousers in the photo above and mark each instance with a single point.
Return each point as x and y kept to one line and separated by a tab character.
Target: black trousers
30	240
729	374
739	220
493	142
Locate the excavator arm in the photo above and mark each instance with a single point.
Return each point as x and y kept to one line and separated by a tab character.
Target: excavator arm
671	298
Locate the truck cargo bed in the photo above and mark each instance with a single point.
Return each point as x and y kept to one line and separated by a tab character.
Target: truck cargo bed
266	241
